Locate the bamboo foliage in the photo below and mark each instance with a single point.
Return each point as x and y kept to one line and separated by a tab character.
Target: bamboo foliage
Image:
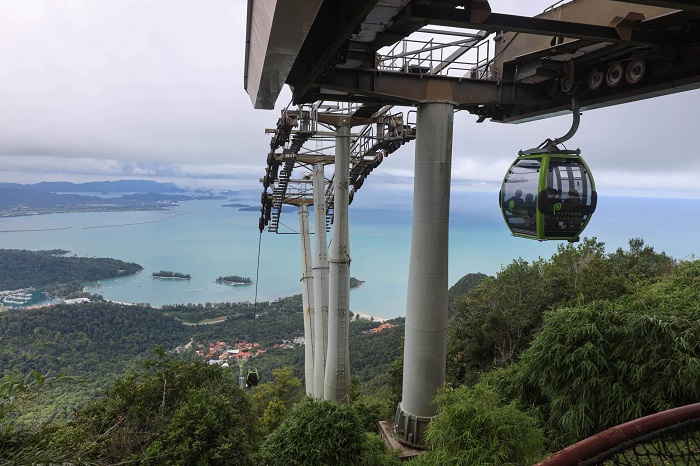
595	366
475	427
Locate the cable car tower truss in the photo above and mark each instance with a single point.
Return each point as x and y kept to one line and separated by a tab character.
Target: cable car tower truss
305	136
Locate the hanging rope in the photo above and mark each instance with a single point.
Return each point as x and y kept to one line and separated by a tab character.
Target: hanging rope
255	303
252	378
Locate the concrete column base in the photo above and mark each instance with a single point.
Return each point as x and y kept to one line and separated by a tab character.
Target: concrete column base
386	432
410	429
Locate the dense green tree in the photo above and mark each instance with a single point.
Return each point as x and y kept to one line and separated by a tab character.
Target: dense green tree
172	412
372	404
572	269
267	323
22	444
273	400
598	365
88	339
208	427
372	353
475	427
641	263
394	383
679	290
324	433
464	285
495	322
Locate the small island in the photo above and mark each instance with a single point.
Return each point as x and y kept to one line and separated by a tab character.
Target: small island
235	280
169	274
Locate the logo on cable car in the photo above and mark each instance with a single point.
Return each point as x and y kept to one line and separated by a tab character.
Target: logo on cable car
557	208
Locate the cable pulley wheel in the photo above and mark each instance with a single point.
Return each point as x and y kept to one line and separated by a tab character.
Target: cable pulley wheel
595	79
614	74
568	86
634	72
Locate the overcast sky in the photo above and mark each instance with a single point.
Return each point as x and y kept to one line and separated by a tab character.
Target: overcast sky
115	89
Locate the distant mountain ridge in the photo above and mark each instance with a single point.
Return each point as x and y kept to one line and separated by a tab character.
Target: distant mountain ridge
10	197
121	186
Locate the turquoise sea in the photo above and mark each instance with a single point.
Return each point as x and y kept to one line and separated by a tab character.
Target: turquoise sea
206	240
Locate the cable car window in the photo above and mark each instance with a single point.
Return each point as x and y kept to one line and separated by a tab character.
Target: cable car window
568	198
519	193
572	179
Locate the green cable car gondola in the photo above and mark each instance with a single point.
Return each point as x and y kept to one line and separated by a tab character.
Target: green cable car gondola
252	379
548	194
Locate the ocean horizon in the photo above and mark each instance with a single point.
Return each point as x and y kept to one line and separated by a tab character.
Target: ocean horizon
206	240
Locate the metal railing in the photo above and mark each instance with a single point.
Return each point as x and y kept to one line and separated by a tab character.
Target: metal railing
468	56
669	437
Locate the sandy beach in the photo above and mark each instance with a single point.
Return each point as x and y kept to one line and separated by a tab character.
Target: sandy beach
359	315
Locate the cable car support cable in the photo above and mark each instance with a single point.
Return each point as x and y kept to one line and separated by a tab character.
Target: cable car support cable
252	377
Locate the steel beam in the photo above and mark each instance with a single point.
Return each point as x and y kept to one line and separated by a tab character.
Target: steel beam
425	344
406	88
504	101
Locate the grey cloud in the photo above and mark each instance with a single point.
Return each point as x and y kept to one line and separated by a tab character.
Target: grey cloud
155	89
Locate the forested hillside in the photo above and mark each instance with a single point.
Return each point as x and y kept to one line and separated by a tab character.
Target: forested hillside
274	321
25	269
465	285
97	341
86	338
556	350
373	353
496	321
93	342
541	355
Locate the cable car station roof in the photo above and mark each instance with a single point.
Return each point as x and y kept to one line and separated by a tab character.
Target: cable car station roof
495	65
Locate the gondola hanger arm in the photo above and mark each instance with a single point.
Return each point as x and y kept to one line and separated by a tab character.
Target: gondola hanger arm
553	143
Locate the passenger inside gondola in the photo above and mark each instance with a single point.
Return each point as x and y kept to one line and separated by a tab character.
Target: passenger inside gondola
515	203
572	207
529	206
573	201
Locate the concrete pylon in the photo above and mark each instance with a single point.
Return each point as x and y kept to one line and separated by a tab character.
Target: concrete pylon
320	280
425	344
337	379
307	297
